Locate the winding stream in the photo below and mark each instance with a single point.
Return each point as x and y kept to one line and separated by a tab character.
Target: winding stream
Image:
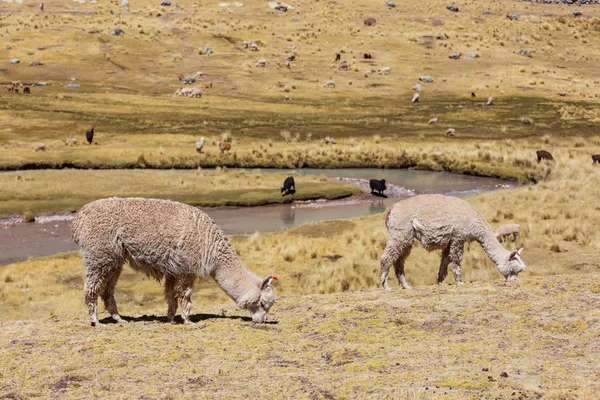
51	234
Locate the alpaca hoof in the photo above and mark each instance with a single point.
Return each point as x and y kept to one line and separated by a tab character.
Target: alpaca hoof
188	322
97	324
460	283
119	320
407	287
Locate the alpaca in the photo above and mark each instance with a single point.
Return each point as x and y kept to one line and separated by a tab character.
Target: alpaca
200	144
543	155
506	230
89	135
490	101
432	121
330	83
163	239
442	223
451	132
223	146
415	98
595	159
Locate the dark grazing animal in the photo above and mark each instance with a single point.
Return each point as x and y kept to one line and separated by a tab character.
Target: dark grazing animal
367	56
377	186
544	155
288	184
473	95
89	135
338	57
26	90
370	21
595	158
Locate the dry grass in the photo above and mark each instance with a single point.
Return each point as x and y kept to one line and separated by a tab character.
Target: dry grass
67	190
534	339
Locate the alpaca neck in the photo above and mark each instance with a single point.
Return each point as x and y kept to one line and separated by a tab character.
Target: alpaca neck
492	247
235	279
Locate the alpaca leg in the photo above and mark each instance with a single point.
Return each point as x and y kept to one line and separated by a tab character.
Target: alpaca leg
443	272
390	257
108	296
170	295
399	268
456	255
98	270
184	289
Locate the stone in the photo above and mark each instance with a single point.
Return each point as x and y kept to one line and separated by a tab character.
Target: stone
118	32
452	8
471	55
512	16
525	53
454	56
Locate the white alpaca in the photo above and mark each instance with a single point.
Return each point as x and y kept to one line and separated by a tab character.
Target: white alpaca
163	239
442	223
199	145
330	83
506	230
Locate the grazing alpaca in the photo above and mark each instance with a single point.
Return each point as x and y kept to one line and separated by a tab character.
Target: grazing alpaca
224	146
415	98
288	184
442	223
506	230
329	83
490	101
163	239
89	135
543	155
451	132
595	158
473	95
432	121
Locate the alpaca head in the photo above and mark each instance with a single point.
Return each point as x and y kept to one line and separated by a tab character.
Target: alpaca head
513	265
259	309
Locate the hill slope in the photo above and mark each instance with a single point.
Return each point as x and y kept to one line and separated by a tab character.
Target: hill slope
432	342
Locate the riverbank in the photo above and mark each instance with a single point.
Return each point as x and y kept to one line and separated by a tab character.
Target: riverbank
67	190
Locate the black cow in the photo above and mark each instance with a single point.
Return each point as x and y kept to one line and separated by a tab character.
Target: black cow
27	90
544	155
377	186
596	158
89	135
288	184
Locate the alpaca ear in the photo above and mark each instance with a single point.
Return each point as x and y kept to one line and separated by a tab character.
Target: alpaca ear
267	281
513	254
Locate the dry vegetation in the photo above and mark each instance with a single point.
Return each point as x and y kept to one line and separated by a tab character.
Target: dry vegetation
67	190
433	342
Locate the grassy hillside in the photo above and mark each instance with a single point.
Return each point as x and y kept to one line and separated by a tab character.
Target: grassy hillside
125	79
533	339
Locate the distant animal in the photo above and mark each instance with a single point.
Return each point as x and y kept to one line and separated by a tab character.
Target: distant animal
208	85
184	91
432	121
195	93
490	101
370	21
16	90
367	56
42	5
89	135
27	90
415	98
39	147
377	186
199	75
595	158
385	71
329	83
506	230
287	97
70	141
288	65
224	146
451	132
526	120
165	240
543	155
473	95
343	65
254	47
329	140
10	88
199	145
246	43
291	57
338	56
288	184
446	223
261	63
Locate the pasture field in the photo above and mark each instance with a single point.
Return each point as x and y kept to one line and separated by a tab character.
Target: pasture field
335	333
